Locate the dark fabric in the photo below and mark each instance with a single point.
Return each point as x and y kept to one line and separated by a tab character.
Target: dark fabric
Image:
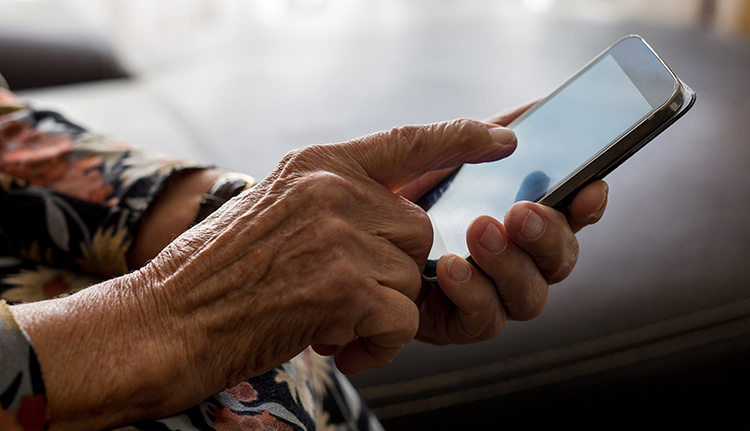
70	204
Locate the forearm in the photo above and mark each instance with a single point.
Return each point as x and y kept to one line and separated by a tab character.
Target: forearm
104	357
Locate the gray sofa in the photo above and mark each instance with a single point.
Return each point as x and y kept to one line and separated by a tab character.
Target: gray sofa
654	323
54	47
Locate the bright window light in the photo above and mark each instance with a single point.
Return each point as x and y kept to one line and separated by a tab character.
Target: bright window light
538	5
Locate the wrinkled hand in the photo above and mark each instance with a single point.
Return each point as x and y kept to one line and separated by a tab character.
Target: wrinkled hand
322	252
535	247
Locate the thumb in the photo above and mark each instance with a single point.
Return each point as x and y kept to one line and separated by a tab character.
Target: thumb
397	157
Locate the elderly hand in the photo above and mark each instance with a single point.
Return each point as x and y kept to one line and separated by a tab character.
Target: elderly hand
322	252
535	247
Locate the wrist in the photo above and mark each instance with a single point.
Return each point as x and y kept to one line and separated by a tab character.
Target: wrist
172	213
188	198
103	360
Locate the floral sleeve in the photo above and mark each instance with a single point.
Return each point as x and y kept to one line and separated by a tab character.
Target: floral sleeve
22	404
70	204
76	197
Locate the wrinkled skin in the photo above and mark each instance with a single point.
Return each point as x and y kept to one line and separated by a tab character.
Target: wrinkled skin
323	252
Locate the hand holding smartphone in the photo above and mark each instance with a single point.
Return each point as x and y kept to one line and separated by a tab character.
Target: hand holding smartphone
582	131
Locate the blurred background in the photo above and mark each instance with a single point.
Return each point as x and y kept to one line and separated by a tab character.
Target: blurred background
656	317
242	64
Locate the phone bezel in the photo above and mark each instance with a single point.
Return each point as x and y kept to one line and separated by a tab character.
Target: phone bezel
627	144
611	156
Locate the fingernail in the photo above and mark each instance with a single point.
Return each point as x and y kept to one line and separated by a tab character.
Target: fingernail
493	240
458	269
533	227
503	135
599	212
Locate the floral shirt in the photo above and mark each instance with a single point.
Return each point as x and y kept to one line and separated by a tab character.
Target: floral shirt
70	204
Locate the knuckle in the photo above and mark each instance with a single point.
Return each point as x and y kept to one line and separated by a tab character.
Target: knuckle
495	324
322	189
411	319
348	281
336	335
300	155
465	130
420	234
323	182
288	157
565	263
403	319
296	159
406	141
421	222
337	269
409	277
492	330
410	134
311	157
333	229
530	302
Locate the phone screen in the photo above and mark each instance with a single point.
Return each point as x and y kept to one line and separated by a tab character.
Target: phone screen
564	131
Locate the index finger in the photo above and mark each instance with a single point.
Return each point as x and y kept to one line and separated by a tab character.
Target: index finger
430	179
506	117
403	154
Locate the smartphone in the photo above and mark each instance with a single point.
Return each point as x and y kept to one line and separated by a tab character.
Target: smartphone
583	130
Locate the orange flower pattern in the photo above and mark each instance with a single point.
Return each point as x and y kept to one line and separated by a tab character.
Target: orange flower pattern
70	202
72	192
